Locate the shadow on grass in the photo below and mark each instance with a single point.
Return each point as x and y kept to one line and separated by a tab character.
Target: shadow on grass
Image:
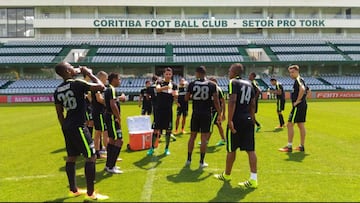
212	149
58	151
296	156
229	194
149	162
188	175
60	199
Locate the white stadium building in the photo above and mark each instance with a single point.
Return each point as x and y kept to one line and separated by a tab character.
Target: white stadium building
140	37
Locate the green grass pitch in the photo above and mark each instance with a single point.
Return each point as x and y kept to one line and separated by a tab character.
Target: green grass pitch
32	161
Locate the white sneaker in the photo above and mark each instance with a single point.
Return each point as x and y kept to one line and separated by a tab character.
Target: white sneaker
187	163
203	165
114	170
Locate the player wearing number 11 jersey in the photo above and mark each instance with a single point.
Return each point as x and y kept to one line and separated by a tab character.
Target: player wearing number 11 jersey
203	93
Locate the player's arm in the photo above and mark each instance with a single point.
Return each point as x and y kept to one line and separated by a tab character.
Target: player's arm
114	108
99	97
223	108
217	105
97	85
140	99
300	94
88	96
160	89
175	93
231	111
188	93
252	108
60	113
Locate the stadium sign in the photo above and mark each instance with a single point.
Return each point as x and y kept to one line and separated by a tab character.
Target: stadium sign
209	23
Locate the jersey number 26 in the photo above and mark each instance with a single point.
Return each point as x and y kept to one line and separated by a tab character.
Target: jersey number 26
68	99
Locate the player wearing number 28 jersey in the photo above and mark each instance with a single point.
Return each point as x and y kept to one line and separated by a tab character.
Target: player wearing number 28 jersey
204	95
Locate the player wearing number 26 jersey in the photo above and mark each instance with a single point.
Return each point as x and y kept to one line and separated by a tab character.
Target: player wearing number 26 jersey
69	96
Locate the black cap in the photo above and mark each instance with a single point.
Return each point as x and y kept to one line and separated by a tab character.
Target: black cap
201	69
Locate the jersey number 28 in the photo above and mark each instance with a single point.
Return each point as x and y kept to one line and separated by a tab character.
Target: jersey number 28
201	93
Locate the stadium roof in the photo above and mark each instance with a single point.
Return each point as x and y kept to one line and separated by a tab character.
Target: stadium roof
187	3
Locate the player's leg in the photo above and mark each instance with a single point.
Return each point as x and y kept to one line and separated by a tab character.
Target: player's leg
252	181
231	146
184	115
168	126
191	143
221	132
302	130
280	107
290	130
72	140
205	128
178	115
203	146
194	127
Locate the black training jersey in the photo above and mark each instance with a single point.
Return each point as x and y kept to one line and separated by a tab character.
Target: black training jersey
71	95
256	87
221	96
279	86
296	87
181	97
97	106
151	91
165	98
244	93
145	100
88	107
201	93
110	93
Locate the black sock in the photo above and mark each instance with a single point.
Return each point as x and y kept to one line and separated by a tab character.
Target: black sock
202	156
281	119
257	123
91	130
189	156
167	139
116	152
109	154
97	153
70	172
154	137
90	176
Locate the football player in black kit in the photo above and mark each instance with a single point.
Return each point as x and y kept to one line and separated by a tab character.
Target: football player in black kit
69	96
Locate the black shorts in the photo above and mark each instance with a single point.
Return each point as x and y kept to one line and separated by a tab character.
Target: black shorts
243	138
200	123
78	141
280	105
256	105
99	122
89	116
146	109
298	114
114	130
182	110
163	119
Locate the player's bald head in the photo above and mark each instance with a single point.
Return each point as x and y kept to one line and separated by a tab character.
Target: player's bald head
62	69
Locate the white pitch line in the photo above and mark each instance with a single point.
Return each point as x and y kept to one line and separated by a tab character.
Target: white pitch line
151	175
17	178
